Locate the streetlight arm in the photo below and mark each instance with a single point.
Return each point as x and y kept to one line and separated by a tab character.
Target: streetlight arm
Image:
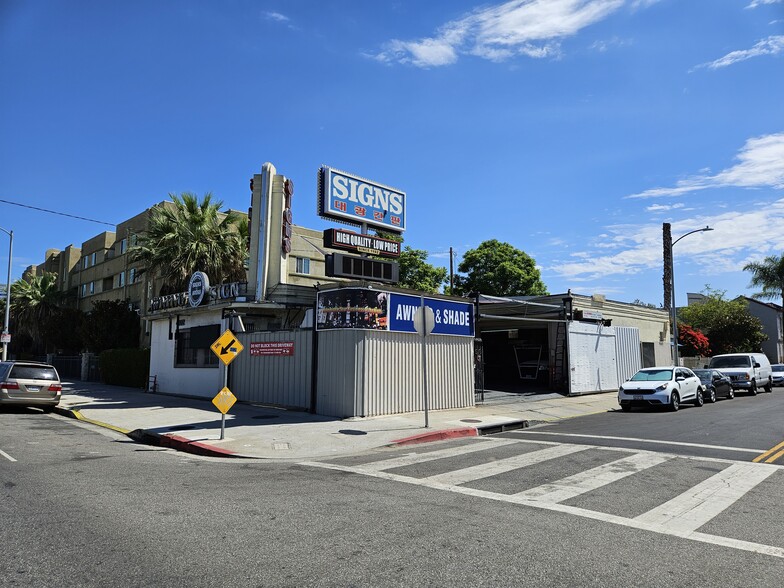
691	233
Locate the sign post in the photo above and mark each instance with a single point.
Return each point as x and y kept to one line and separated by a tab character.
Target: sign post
226	347
424	321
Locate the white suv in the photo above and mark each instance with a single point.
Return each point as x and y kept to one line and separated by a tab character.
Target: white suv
661	386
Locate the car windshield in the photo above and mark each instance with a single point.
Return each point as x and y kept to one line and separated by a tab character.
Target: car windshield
740	361
702	374
32	372
778	368
652	376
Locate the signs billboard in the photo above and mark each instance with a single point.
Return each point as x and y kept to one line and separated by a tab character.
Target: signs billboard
363	308
357	201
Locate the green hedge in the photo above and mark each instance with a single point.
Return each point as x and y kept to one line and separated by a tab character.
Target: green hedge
125	367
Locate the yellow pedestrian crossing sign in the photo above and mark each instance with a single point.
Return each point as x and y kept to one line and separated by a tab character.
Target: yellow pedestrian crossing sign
224	400
227	347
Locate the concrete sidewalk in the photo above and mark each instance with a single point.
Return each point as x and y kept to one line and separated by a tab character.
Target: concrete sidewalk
253	431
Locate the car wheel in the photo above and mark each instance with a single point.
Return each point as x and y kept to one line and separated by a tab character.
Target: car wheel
769	386
731	394
626	407
712	395
753	388
675	402
699	400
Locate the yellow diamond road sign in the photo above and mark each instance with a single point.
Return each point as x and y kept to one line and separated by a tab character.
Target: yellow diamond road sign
227	347
224	400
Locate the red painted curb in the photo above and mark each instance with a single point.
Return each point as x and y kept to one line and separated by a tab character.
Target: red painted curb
437	436
183	444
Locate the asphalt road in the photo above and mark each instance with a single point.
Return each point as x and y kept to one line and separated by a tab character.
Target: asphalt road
742	428
83	506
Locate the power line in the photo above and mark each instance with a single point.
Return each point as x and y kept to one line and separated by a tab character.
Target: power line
59	213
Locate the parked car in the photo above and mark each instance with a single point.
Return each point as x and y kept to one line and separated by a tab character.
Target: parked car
661	386
748	371
714	384
29	383
777	374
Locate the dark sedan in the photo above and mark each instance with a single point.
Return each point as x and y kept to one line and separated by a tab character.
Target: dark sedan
714	384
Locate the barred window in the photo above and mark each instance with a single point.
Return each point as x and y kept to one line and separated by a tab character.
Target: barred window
192	347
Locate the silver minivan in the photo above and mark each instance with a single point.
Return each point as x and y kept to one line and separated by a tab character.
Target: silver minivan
29	383
747	371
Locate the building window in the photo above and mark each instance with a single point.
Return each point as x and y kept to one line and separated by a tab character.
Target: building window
303	265
132	275
92	287
85	261
84	290
123	246
192	347
94	258
121	279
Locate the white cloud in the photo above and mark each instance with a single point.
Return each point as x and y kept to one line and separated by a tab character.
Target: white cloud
734	241
757	3
760	165
773	45
497	33
276	16
663	207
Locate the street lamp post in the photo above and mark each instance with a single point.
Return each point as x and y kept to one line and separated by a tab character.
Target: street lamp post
673	317
7	294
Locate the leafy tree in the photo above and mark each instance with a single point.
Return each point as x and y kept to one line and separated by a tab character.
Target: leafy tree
769	275
498	269
64	329
728	324
693	343
189	235
417	274
110	325
34	303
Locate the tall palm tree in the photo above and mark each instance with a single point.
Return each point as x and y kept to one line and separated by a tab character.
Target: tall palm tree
189	235
769	275
34	303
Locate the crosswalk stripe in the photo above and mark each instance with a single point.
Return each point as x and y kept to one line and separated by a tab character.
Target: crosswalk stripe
493	468
413	458
699	504
594	478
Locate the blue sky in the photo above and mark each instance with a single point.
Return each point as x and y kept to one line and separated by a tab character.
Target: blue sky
571	129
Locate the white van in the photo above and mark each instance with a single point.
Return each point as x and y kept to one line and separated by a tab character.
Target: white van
747	371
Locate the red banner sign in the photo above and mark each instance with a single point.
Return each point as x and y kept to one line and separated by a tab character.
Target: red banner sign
278	348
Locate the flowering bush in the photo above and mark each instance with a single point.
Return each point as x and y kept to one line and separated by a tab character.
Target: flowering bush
692	341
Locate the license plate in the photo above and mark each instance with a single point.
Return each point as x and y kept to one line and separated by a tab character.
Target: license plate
638	396
34	388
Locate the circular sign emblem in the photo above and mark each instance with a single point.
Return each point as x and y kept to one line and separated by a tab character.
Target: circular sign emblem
198	288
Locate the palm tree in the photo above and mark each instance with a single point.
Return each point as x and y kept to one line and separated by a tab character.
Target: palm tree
185	235
769	275
34	303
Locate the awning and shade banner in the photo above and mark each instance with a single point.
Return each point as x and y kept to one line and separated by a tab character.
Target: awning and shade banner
363	308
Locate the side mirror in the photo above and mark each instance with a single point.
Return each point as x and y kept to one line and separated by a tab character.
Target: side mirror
679	378
756	365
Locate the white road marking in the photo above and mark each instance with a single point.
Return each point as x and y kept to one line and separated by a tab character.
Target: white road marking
499	466
742	477
5	455
594	478
412	458
698	505
679	443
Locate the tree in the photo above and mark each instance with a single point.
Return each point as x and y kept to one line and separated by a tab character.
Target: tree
768	275
728	324
498	269
187	235
693	343
417	274
111	325
34	303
